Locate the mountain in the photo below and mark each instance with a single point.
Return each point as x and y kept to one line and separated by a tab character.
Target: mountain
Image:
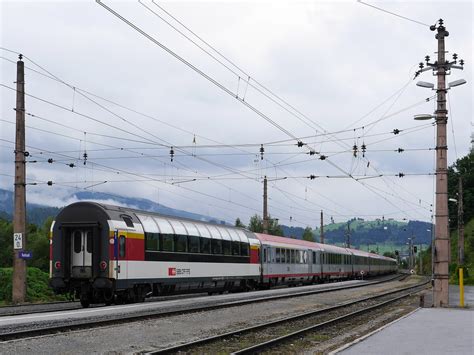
141	204
37	214
369	232
362	232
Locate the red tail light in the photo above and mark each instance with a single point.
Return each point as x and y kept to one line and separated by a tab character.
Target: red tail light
103	265
57	265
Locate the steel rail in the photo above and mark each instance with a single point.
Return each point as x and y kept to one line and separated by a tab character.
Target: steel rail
76	305
88	324
259	347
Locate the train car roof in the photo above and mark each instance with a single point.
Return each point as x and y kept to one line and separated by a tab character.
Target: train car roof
157	222
284	241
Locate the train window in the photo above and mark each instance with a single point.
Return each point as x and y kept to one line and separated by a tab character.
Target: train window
89	242
77	236
300	254
167	242
122	246
128	221
216	246
193	244
277	255
314	257
226	247
244	249
180	243
264	255
236	248
283	255
305	257
152	241
205	245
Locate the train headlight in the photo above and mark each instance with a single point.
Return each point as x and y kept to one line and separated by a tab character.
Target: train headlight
103	265
57	265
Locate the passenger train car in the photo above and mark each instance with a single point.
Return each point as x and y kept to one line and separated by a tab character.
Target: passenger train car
103	253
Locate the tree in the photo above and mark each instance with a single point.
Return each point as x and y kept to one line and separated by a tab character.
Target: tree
256	225
238	223
463	167
308	234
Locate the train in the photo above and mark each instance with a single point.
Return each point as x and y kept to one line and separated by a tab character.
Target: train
101	253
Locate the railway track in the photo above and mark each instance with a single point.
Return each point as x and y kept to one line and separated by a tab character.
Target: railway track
73	305
264	337
87	324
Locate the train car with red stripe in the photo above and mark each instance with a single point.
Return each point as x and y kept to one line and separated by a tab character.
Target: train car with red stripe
103	253
110	254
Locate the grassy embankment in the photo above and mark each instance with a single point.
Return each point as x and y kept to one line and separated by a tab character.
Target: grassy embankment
37	286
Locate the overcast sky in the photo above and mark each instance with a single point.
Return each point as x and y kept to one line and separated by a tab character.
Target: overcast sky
341	65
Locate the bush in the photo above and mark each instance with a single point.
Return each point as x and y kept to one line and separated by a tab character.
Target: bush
37	289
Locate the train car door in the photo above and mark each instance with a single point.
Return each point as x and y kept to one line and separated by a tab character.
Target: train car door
81	253
267	255
121	255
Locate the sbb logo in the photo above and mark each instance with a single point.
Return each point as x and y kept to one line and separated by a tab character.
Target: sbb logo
171	271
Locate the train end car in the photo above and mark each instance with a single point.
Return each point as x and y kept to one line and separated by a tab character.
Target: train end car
103	254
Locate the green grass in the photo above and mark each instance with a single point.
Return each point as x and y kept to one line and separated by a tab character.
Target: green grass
37	286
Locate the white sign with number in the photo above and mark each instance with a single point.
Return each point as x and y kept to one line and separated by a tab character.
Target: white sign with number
17	241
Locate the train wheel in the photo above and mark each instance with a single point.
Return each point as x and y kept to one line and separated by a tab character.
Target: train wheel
85	302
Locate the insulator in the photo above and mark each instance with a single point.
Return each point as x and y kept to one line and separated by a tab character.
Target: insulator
427	58
354	149
461	62
171	153
322	157
26	154
50	160
312	152
312	177
400	150
71	165
50	183
85	157
262	150
455	56
300	144
364	148
421	65
400	175
396	131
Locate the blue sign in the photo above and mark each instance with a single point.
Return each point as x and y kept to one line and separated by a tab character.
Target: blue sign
26	254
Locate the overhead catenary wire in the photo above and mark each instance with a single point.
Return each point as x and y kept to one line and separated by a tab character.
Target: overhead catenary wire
233	64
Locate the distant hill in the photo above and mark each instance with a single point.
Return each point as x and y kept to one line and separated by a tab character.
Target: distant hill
37	214
370	232
362	232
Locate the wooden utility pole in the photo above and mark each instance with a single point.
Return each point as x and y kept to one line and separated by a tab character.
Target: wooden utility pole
460	225
19	214
265	206
321	230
